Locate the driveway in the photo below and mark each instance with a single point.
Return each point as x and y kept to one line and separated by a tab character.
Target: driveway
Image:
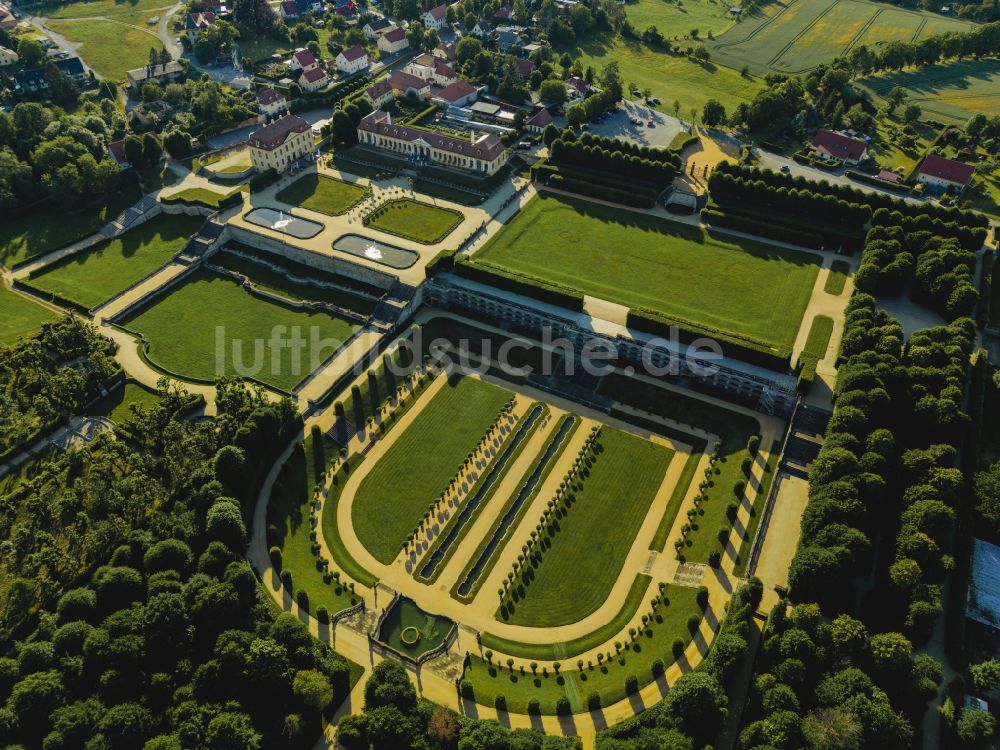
617	125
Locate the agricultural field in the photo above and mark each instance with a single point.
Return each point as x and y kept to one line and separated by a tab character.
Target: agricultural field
109	47
324	194
678	18
414	220
129	10
794	37
207	307
19	316
737	286
951	93
669	77
95	275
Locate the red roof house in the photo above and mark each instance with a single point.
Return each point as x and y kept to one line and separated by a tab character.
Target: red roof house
938	171
839	146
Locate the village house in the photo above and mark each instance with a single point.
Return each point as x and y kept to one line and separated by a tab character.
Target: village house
7	56
483	153
314	79
944	174
195	23
431	69
302	60
838	147
447	51
161	74
538	121
524	68
404	84
379	94
278	145
352	60
271	102
435	17
393	41
375	27
457	94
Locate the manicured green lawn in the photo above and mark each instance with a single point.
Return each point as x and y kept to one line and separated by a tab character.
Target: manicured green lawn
583	558
207	307
396	493
19	316
420	222
109	48
608	680
99	273
567	649
733	429
208	197
738	286
837	277
289	510
323	194
818	339
669	77
115	406
48	228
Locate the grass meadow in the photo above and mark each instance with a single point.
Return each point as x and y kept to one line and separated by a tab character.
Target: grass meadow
411	475
207	306
99	273
20	316
109	47
414	220
739	286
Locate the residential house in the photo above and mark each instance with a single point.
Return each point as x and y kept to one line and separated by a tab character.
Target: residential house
271	102
116	149
289	9
539	121
484	154
7	20
447	51
457	94
482	30
508	38
32	83
278	145
430	68
524	68
73	67
404	84
314	79
162	74
838	147
345	8
302	60
7	56
379	94
576	88
939	172
504	13
435	18
393	41
375	27
352	60
195	23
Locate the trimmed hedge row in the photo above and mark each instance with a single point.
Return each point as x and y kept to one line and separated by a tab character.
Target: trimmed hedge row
852	194
663	155
618	163
234	198
970	237
443	261
867	179
849	241
768	230
745	349
604	192
534	288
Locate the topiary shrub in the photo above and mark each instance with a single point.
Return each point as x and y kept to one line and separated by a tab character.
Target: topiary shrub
723	534
563	707
500	703
286	579
322	615
739	488
657	667
302	597
752	444
275	554
693	622
534	708
702	596
732	509
714	558
631	684
468	692
747	465
594	701
677	648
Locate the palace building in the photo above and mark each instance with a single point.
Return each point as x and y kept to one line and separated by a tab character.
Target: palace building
278	145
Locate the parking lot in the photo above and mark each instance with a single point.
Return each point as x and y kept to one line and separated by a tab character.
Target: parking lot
621	125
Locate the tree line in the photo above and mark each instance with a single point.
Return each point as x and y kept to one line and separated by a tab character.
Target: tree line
571	152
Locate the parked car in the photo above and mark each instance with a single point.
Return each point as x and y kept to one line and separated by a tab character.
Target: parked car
657	102
651	124
785	169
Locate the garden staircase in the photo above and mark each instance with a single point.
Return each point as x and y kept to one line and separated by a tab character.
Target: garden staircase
127	218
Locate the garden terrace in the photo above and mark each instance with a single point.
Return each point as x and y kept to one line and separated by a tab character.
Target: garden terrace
707	283
94	275
588	538
394	495
205	300
324	194
414	220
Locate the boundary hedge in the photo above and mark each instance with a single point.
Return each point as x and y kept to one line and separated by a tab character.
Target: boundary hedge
554	294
